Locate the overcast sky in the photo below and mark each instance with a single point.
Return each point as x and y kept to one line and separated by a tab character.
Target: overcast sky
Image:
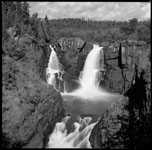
93	10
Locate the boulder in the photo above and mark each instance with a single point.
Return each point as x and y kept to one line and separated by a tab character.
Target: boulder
30	107
108	132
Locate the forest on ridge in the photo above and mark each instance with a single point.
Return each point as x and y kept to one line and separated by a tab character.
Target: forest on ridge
16	16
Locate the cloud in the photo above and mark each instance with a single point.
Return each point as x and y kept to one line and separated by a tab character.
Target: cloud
43	3
92	10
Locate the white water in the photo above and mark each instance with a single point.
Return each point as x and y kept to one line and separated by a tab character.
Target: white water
89	77
79	138
89	90
91	67
53	67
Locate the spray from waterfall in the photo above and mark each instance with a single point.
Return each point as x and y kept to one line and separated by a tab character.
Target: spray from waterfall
91	76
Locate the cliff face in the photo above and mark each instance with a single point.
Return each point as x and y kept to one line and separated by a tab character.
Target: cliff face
121	59
72	53
30	107
127	123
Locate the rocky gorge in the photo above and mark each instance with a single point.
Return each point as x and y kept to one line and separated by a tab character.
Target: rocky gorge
127	71
75	82
126	124
37	106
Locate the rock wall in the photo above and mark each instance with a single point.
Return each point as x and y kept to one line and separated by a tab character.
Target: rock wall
72	53
127	124
30	107
121	59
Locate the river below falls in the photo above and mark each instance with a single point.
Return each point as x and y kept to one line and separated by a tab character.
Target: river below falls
94	108
82	115
83	106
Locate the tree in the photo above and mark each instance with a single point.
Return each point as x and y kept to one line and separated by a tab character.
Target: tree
25	13
143	33
34	24
115	34
133	24
46	18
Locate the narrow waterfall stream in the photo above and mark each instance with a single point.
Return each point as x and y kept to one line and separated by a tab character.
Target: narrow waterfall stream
54	70
84	105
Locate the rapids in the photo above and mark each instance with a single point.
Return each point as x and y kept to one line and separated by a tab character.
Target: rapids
79	138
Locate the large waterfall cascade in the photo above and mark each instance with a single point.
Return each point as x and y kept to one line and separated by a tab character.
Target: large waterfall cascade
92	67
93	72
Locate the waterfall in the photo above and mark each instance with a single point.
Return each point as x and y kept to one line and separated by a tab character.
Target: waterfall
91	67
53	72
53	61
91	75
79	138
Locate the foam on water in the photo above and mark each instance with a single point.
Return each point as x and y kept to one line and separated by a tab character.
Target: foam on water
79	138
89	81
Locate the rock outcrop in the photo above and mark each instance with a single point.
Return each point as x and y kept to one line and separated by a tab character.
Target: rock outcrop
127	123
30	107
72	53
108	132
121	59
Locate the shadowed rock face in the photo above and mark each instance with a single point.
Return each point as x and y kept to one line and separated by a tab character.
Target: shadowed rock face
30	107
127	123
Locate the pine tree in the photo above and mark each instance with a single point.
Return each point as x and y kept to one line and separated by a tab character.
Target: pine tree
46	18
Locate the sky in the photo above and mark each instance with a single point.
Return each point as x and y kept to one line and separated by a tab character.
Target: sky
118	11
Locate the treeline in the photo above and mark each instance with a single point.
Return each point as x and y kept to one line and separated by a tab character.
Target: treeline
101	31
16	15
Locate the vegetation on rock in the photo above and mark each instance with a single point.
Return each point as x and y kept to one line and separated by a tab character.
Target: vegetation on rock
30	107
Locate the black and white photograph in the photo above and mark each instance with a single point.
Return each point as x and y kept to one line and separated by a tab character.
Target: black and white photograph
76	75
